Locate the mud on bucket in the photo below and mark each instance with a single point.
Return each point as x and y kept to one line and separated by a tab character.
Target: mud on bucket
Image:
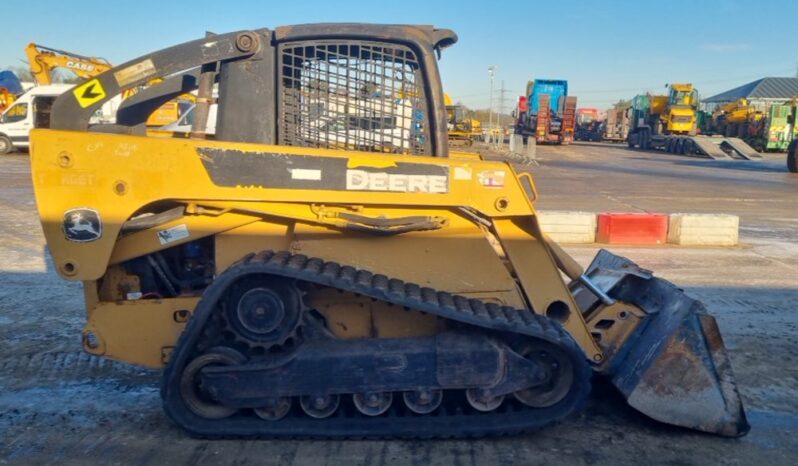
674	368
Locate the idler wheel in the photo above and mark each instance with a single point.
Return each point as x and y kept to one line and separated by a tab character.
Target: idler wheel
196	399
559	372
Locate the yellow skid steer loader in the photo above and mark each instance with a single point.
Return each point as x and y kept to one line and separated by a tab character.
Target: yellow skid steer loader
325	267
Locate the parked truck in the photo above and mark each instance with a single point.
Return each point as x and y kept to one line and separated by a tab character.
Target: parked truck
616	126
588	124
770	130
670	123
778	130
546	112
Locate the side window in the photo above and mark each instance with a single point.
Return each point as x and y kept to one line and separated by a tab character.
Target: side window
16	113
352	94
42	107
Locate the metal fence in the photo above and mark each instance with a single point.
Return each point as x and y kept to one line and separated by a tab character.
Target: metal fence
355	95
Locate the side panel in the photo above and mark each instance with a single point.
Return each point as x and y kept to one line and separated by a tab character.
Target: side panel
118	176
139	332
458	259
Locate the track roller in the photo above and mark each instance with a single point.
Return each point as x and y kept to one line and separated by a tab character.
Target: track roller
275	410
481	401
319	406
423	401
372	403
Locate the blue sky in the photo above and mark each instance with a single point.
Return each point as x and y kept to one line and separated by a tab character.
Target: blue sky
606	49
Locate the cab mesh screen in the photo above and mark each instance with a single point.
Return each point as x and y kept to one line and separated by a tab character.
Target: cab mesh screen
353	95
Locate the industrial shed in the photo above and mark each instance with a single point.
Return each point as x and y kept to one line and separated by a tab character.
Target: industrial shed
760	93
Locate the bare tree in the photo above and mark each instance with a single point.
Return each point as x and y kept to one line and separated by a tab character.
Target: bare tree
622	104
59	75
22	73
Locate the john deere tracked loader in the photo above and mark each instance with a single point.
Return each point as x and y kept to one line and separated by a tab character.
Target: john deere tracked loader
326	267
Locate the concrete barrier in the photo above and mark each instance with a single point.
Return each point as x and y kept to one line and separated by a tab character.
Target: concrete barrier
632	228
638	228
703	229
568	227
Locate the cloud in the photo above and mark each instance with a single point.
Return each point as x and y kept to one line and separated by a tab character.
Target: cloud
725	47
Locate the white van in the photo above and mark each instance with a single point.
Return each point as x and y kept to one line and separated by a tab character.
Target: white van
31	110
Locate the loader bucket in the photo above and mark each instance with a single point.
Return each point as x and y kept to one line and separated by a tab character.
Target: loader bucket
674	368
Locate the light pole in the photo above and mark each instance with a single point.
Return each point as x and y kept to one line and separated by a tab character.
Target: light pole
491	72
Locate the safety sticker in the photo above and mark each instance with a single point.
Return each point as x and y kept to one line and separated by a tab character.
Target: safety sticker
492	178
135	72
305	174
170	235
89	93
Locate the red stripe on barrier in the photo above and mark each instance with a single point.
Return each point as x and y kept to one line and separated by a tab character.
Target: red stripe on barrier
632	228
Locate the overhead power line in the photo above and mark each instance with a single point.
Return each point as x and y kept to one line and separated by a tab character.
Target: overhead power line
643	88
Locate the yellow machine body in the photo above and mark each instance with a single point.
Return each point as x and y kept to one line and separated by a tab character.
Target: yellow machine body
740	111
461	130
257	274
122	174
677	110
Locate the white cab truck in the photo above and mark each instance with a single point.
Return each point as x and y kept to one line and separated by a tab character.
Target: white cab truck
31	110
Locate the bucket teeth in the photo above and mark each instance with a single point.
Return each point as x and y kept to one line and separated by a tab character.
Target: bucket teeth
675	367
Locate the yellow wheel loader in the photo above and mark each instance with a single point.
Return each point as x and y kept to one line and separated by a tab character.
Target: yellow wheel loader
462	131
325	267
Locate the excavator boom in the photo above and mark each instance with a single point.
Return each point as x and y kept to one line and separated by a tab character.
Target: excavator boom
43	61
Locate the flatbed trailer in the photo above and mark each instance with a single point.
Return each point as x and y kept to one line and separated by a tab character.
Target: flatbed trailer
670	123
714	147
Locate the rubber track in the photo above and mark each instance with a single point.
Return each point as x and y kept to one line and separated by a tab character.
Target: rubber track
506	420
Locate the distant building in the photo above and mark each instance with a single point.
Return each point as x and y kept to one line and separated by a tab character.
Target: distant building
760	93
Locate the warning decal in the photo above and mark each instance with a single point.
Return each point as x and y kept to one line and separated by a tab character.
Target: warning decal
89	93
